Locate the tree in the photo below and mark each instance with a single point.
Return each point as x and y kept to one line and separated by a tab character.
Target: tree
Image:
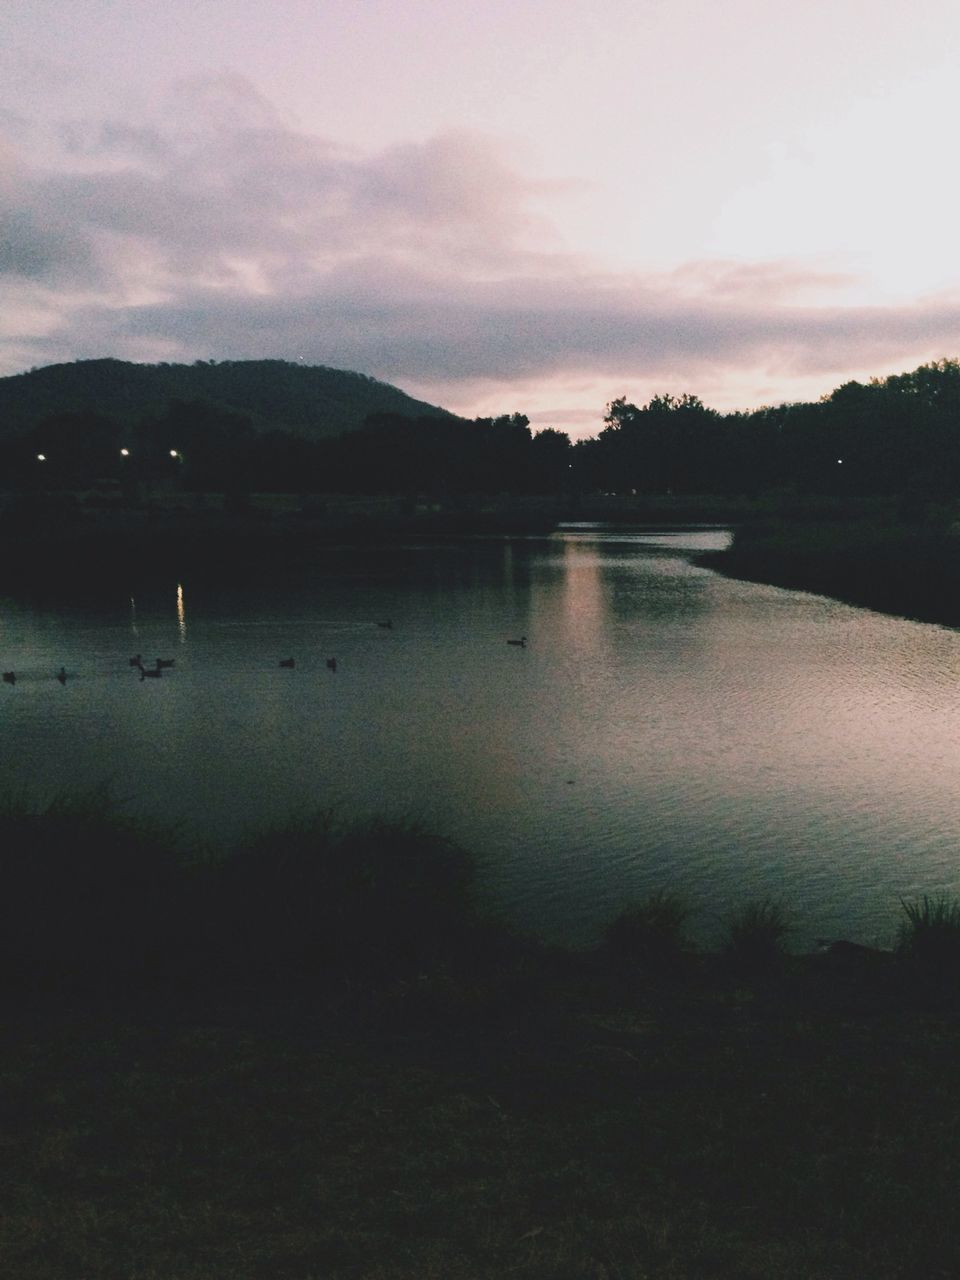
665	446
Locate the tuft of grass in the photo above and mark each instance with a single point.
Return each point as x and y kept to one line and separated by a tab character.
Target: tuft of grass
651	933
929	937
754	938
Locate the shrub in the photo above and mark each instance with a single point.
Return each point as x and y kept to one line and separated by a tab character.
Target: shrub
652	933
930	935
375	896
754	938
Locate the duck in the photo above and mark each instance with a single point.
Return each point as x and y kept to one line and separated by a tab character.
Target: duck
62	675
332	664
165	662
9	677
522	642
287	662
154	673
135	661
387	625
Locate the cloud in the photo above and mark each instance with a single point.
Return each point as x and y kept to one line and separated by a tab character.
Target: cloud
227	232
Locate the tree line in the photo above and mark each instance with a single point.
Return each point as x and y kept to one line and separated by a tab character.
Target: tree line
205	448
894	436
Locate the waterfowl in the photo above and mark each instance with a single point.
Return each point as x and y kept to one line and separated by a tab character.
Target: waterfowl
62	675
388	625
9	677
135	662
287	662
165	662
153	673
332	664
522	642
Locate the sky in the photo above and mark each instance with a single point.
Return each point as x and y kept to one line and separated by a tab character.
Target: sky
530	206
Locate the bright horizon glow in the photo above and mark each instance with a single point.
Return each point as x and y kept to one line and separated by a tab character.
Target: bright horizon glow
530	206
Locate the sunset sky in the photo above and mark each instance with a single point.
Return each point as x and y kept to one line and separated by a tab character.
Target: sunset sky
532	205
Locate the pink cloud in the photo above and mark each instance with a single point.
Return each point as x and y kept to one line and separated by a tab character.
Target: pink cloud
231	234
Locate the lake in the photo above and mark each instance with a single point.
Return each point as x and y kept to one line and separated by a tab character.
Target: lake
663	726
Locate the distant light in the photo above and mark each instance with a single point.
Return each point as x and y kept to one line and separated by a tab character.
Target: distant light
174	453
839	461
41	457
125	453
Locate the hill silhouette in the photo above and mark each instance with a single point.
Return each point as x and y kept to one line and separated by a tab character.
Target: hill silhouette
273	395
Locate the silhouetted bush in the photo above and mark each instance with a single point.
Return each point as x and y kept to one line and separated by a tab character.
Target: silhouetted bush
89	898
377	896
929	938
651	934
754	938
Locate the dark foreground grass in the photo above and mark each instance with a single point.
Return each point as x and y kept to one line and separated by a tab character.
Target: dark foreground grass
481	1106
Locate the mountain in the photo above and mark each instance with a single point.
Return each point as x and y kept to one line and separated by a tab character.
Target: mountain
275	395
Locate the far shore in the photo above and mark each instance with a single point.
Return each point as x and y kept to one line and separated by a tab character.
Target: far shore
859	551
910	571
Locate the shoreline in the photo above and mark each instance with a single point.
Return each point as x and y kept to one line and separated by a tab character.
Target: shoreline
905	571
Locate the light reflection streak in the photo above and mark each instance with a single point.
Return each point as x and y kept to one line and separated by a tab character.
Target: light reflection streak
181	614
133	617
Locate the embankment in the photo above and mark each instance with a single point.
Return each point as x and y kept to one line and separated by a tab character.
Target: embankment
912	571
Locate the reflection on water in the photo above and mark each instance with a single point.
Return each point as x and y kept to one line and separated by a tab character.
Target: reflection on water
663	727
181	615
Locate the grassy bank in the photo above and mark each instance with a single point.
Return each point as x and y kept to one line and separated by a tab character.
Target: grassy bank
316	1058
906	569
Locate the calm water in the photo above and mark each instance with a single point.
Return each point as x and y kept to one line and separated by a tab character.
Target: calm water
664	726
